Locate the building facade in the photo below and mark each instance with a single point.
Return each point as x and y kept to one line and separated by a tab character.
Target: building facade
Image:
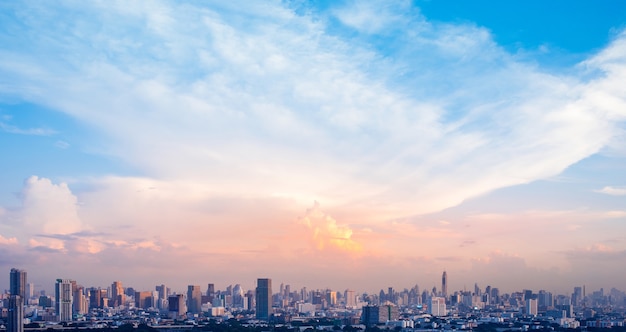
378	314
118	297
194	299
15	317
263	299
64	300
437	306
18	283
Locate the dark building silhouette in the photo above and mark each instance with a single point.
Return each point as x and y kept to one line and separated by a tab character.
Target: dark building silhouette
176	305
444	285
263	299
374	314
18	283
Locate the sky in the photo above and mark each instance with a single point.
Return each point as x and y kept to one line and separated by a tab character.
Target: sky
326	144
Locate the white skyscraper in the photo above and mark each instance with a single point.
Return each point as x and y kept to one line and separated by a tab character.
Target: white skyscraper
437	306
64	299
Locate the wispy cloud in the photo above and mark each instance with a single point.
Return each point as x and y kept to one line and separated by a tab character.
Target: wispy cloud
436	124
613	191
7	128
243	114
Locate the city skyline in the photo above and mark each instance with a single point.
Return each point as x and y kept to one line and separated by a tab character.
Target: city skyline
75	306
265	285
331	144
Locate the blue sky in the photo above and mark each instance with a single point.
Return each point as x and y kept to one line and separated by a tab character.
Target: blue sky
387	134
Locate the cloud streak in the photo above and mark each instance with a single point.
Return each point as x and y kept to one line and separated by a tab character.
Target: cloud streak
613	191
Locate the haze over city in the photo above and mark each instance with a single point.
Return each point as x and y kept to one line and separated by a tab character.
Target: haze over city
341	144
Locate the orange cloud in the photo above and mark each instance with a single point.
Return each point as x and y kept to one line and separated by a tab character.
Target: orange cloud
326	233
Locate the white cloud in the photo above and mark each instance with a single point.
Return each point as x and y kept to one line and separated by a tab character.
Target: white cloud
374	17
613	191
266	110
49	208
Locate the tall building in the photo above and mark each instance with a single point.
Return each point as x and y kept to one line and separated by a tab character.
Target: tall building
248	303
437	306
210	292
350	298
531	307
374	314
577	296
95	297
194	299
18	283
144	299
15	318
162	296
176	305
238	296
444	285
64	299
117	294
80	302
263	298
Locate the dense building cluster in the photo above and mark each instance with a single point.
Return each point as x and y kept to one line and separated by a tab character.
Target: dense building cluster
409	309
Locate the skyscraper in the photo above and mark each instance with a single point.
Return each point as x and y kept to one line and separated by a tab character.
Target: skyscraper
64	299
350	298
194	299
144	299
17	291
210	292
163	294
15	318
18	283
444	285
437	306
263	298
531	307
374	314
176	305
117	294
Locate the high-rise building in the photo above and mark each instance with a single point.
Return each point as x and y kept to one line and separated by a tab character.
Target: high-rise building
162	296
15	318
531	307
437	306
210	292
350	298
144	299
263	299
194	299
18	283
544	300
176	305
577	296
374	314
80	302
64	299
30	290
95	297
118	297
238	296
444	285
248	303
